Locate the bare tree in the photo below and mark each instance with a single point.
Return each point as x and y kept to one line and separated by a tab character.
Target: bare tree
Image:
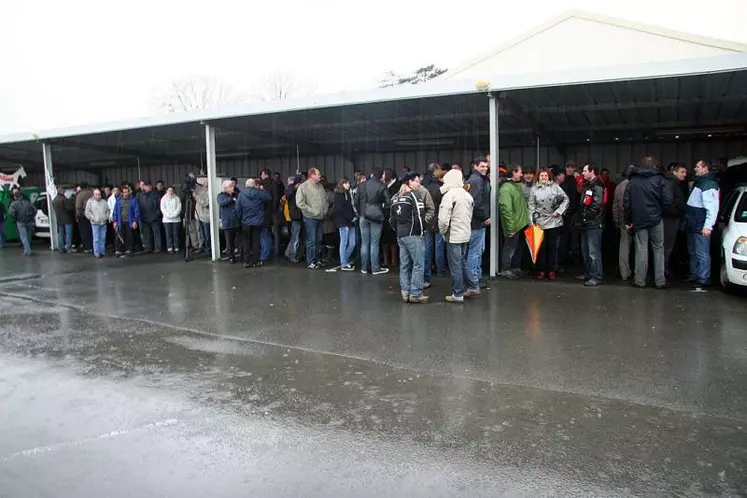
421	75
282	86
192	93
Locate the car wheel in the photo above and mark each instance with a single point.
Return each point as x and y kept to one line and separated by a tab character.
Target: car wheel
726	286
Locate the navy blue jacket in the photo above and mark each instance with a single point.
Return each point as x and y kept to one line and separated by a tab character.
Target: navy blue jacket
228	217
647	195
150	206
251	205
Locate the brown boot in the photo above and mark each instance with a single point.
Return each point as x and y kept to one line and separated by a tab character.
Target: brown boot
419	300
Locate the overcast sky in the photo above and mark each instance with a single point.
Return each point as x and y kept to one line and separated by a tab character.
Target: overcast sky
67	62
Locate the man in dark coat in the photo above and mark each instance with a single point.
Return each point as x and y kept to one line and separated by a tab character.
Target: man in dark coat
434	241
646	196
674	213
64	209
150	218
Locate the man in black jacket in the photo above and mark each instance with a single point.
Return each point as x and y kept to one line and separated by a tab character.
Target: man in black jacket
646	196
64	209
478	186
673	214
291	252
591	224
150	215
372	201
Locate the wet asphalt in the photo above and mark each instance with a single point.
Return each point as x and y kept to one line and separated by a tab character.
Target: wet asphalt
149	376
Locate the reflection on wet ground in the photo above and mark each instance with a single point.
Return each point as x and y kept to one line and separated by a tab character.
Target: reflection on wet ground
533	388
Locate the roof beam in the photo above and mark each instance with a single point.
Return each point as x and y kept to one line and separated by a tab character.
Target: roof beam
265	137
621	106
119	151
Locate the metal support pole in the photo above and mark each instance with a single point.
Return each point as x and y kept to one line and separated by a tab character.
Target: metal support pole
537	168
54	243
212	175
494	195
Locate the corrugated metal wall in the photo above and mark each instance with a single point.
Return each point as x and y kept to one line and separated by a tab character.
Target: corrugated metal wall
616	157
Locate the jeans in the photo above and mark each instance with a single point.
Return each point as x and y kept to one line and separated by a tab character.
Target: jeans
24	232
623	254
347	244
313	239
151	232
2	234
474	252
291	252
460	275
265	243
547	259
205	232
252	236
172	236
411	262
507	254
65	237
99	238
699	247
654	235
370	245
591	249
437	240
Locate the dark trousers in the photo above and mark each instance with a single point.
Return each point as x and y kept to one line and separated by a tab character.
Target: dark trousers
230	234
86	233
251	236
151	233
547	259
125	239
671	230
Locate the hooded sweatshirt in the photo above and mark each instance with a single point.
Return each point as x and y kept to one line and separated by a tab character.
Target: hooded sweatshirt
455	211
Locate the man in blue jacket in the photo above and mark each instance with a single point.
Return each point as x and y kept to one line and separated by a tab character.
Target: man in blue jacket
126	217
700	217
250	209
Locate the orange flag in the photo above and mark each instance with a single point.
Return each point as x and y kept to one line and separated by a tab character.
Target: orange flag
534	235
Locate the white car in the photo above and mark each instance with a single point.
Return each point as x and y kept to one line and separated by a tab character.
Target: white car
42	215
733	219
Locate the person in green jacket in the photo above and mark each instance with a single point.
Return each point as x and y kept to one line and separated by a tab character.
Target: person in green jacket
514	218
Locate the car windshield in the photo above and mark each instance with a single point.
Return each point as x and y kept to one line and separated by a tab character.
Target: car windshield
41	203
740	215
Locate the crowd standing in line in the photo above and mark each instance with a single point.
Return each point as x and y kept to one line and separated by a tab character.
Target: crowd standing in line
415	223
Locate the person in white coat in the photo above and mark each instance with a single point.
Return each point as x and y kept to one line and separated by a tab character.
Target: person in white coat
455	224
171	208
547	204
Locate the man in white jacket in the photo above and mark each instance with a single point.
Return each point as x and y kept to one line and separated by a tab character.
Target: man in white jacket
455	224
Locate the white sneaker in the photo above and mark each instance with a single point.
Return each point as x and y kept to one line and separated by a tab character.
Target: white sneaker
454	299
383	271
347	268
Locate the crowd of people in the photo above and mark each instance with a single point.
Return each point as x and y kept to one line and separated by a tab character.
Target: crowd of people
424	225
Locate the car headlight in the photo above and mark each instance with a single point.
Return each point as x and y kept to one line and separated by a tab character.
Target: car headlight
740	246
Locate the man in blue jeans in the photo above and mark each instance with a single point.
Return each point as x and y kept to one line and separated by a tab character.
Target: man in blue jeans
372	201
434	239
478	187
22	212
700	217
64	210
410	215
311	199
591	224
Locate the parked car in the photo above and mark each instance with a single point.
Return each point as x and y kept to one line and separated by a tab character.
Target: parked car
42	213
733	222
